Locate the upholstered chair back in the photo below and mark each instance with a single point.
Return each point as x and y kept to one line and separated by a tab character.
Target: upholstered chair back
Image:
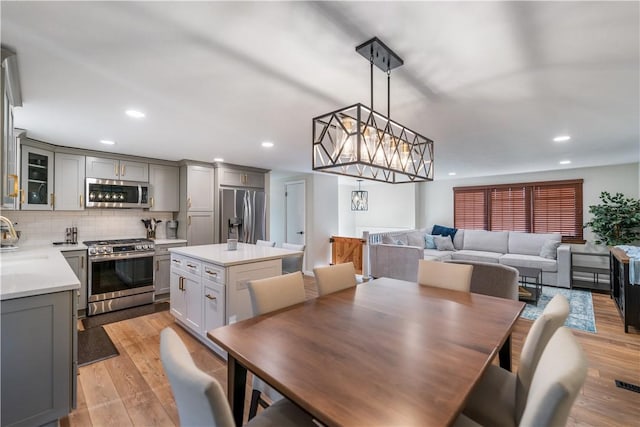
559	376
496	280
543	328
334	278
292	263
200	398
267	243
445	275
276	292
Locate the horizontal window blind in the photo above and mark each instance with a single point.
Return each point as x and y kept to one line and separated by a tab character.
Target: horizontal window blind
537	207
470	209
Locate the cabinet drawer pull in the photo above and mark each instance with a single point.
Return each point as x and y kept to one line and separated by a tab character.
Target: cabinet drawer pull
81	200
189	202
189	220
22	196
191	266
52	199
124	168
181	284
157	265
213	273
82	262
115	169
151	201
177	261
211	297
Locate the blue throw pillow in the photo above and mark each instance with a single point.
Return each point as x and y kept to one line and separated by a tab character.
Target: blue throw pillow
444	231
429	243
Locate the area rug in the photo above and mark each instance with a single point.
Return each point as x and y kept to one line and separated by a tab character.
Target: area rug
129	313
94	345
580	307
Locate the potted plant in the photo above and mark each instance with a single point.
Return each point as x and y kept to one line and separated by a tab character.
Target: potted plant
616	221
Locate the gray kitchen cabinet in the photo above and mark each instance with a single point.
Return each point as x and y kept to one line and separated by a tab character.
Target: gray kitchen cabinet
39	362
196	204
214	303
37	179
77	260
69	182
199	228
161	272
165	189
240	178
199	188
124	170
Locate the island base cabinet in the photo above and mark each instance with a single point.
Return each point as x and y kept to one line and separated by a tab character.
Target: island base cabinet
39	363
186	299
238	277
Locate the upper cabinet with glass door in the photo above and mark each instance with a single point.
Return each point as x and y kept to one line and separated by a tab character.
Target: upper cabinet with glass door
37	179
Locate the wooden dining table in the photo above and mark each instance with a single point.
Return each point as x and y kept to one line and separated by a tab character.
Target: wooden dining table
387	352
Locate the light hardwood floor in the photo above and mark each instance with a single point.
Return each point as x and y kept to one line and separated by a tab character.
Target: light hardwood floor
131	389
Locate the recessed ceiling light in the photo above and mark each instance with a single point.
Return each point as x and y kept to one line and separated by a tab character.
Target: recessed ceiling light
107	142
267	144
135	114
562	138
452	173
218	159
565	162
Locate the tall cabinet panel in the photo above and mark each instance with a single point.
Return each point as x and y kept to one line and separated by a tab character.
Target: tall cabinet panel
165	188
196	217
37	179
69	182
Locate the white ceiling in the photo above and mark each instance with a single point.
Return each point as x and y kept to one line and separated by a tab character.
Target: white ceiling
490	83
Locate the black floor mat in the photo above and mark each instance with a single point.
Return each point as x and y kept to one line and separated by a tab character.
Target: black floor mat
129	313
94	345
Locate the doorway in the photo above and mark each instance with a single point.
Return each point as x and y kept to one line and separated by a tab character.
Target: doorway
294	196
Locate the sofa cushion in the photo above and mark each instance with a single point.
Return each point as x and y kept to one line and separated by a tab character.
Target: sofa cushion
530	243
481	256
490	241
436	255
415	238
429	243
550	249
458	239
444	243
533	261
443	231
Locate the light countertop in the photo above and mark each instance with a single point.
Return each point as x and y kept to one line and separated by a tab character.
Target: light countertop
220	255
36	270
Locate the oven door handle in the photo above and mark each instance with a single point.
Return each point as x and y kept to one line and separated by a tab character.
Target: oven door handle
111	257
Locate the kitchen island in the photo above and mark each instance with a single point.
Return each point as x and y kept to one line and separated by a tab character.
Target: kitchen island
39	336
209	284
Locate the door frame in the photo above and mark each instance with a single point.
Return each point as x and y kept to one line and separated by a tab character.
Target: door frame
304	207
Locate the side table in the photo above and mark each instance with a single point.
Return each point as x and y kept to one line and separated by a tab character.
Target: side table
595	284
531	287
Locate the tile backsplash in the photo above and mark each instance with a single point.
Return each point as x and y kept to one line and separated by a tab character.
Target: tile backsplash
93	224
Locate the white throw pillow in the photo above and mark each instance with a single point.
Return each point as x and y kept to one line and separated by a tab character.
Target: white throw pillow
444	243
550	249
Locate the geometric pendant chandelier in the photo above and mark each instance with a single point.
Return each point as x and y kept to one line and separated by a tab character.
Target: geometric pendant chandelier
359	199
360	142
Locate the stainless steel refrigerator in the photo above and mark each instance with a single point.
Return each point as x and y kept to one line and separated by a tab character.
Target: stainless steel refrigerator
243	215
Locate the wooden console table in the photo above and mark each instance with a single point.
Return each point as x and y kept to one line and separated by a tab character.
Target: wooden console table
626	295
347	249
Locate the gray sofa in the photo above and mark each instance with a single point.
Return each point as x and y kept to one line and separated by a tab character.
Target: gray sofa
510	248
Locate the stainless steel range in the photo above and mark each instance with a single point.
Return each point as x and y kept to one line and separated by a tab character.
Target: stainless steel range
120	274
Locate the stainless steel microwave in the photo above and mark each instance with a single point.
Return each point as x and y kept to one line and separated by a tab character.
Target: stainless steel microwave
110	193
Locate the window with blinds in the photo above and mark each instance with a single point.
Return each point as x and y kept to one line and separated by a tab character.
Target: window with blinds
535	207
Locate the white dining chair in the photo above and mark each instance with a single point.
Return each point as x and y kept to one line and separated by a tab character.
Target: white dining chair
500	396
293	263
445	275
268	295
334	278
267	243
200	398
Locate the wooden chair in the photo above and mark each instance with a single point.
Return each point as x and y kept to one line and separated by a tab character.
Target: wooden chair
200	399
445	275
555	385
500	396
267	243
292	264
334	278
268	295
